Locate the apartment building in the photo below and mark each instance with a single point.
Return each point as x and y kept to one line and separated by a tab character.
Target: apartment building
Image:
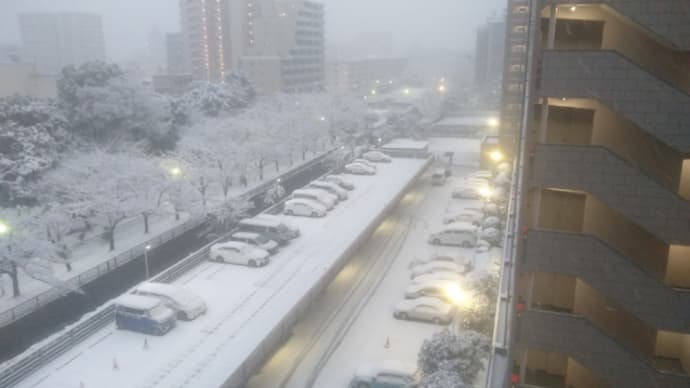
206	38
596	108
489	52
361	76
52	41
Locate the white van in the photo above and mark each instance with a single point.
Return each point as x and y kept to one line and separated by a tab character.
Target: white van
186	305
304	207
457	233
272	229
330	187
326	199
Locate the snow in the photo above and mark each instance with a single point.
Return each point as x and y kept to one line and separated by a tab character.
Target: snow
138	302
244	304
462	121
406	144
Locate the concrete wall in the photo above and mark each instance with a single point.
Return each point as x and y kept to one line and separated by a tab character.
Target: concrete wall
554	290
561	210
678	266
549	362
626	237
577	376
613	320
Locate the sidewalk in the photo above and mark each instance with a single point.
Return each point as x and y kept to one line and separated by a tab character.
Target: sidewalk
93	251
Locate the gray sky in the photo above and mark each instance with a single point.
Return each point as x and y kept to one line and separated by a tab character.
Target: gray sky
432	24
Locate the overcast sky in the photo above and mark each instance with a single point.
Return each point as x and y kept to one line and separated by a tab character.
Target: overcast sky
431	24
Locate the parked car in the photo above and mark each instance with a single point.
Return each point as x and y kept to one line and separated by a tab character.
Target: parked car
366	163
272	229
256	239
491	222
482	174
304	207
473	217
427	309
437	266
480	182
435	289
186	305
330	187
289	228
439	275
466	192
439	257
342	182
387	375
324	198
235	252
438	177
492	235
377	157
482	246
359	169
143	314
457	234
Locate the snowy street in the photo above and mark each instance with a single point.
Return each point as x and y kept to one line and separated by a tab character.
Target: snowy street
352	325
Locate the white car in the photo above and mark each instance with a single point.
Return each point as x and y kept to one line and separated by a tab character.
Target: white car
390	374
377	157
327	199
304	207
359	169
491	235
256	239
480	182
342	182
330	187
439	257
186	305
424	309
435	289
439	275
466	192
470	216
491	222
482	246
437	266
235	252
456	234
482	174
366	163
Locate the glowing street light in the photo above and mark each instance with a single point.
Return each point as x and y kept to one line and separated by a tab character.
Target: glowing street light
486	193
457	295
442	88
496	156
373	92
147	248
407	91
493	122
322	118
175	171
4	228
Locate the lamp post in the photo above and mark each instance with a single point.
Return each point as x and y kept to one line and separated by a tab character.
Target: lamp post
147	248
461	299
4	228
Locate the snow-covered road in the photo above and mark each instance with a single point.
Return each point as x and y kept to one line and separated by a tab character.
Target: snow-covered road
244	305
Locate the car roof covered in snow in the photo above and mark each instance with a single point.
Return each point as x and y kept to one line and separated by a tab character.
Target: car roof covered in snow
138	302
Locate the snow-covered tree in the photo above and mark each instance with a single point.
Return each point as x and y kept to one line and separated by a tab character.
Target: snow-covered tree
211	99
225	214
274	194
33	134
23	247
443	378
460	354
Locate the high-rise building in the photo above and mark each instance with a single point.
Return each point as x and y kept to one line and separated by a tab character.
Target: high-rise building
489	51
596	111
175	54
206	38
52	41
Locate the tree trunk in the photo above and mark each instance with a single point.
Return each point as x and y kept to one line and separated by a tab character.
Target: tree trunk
146	222
15	279
261	171
304	154
277	166
177	215
110	232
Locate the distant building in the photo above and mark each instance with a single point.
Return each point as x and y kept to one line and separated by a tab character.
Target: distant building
488	68
52	41
364	75
173	84
205	37
21	78
175	54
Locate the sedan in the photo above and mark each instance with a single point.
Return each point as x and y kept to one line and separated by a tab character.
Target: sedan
426	309
436	289
342	182
366	163
467	192
359	169
437	266
304	207
389	374
377	157
473	217
440	275
330	187
235	252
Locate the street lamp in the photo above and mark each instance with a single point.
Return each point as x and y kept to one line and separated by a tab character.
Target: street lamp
493	122
322	118
442	88
373	92
147	248
175	171
496	156
4	228
486	193
407	91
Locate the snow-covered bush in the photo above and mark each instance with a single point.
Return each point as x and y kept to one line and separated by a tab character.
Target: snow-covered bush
443	378
234	93
460	354
274	194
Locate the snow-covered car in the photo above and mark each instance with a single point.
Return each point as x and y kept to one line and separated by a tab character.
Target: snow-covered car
456	234
504	167
304	207
327	199
491	235
377	157
359	169
186	305
471	216
256	239
438	177
466	192
235	252
502	179
291	230
342	182
389	374
439	257
435	289
143	314
330	187
491	222
482	246
437	266
439	275
482	174
366	163
428	309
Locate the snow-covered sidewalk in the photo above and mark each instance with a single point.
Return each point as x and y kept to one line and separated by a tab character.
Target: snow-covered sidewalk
92	257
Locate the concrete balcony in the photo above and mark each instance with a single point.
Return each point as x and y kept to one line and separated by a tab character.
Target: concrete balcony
609	271
666	19
616	182
654	105
576	337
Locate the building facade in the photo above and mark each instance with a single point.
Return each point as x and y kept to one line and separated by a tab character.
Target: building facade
205	37
52	41
489	52
596	111
361	76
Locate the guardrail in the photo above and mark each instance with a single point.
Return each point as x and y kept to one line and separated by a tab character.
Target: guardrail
16	370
